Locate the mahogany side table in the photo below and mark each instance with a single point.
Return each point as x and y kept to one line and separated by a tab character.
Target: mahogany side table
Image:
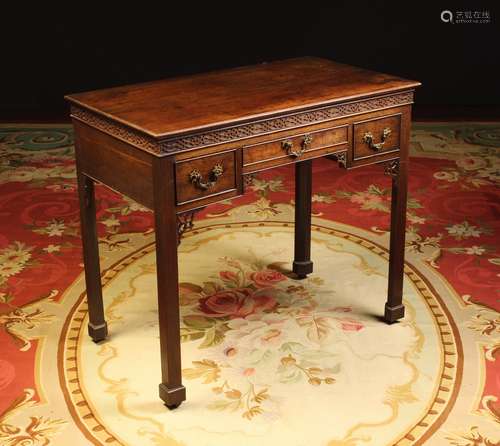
179	144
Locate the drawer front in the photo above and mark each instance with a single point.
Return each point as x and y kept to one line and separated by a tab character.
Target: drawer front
298	147
376	136
205	176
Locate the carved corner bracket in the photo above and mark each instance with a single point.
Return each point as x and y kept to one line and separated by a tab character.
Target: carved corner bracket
185	222
341	158
391	168
248	179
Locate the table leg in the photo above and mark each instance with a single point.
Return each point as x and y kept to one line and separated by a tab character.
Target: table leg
394	308
302	265
172	392
98	329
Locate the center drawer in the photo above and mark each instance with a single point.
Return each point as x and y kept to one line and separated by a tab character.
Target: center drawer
285	150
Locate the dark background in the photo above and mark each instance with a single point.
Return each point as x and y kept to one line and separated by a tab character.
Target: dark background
46	54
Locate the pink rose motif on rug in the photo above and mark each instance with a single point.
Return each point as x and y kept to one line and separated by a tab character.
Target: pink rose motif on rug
235	303
266	278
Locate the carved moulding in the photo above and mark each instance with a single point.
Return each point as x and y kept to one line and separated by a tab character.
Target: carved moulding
224	135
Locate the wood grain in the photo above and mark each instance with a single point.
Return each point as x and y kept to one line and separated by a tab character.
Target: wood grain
116	164
186	104
376	126
172	392
187	191
273	149
302	264
97	327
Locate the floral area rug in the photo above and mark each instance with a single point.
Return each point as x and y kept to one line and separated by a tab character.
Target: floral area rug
266	359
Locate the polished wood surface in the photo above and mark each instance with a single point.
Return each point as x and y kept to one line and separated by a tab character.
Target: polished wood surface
98	329
172	391
115	163
398	170
275	151
376	126
184	104
187	190
318	108
302	264
359	153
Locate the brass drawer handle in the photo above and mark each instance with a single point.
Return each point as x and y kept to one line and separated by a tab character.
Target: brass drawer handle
368	139
288	146
196	178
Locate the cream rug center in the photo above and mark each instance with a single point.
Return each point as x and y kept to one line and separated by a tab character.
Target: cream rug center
266	359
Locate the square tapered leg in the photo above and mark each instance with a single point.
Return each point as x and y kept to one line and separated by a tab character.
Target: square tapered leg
302	265
394	308
97	328
172	392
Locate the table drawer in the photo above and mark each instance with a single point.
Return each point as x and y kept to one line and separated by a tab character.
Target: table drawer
205	176
375	136
296	147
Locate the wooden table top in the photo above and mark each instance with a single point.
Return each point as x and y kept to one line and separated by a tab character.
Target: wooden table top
191	103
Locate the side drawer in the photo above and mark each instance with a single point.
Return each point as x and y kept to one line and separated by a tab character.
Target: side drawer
376	136
286	150
205	176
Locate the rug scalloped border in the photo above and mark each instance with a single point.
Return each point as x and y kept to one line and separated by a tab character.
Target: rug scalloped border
445	395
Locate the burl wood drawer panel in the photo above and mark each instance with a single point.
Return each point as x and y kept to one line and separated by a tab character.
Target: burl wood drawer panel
376	136
284	150
205	176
